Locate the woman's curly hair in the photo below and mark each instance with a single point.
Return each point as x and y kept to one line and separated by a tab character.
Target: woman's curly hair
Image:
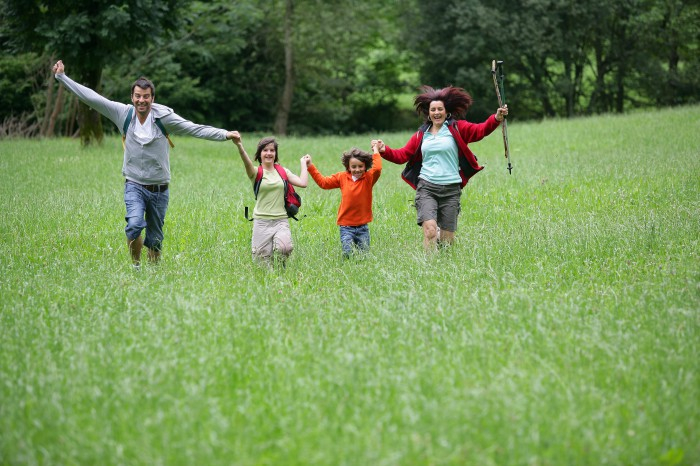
358	154
261	145
456	100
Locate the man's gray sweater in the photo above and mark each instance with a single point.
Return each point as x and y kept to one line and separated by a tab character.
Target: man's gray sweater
147	163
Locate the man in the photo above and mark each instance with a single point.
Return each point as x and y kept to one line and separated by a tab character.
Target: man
146	165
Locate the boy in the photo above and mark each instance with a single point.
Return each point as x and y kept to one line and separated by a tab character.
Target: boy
362	171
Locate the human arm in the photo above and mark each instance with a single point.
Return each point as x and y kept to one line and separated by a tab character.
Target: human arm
376	169
472	132
114	111
323	182
181	126
238	141
301	181
403	155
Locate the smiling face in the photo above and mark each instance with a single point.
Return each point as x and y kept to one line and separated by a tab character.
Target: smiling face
142	100
437	112
268	154
356	167
267	151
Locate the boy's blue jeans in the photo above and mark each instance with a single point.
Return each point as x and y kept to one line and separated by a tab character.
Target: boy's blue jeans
145	209
354	236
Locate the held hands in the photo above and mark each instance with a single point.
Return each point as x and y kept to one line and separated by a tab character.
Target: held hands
501	113
306	160
377	146
58	68
235	137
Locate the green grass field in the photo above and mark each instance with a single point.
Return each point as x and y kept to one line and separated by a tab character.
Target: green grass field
563	327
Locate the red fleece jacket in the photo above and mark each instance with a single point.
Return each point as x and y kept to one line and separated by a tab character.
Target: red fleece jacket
463	132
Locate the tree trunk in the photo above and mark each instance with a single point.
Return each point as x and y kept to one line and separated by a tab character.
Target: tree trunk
620	90
600	97
569	90
89	120
49	103
56	110
285	106
69	130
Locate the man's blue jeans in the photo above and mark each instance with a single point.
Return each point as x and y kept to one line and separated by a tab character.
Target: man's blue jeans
354	236
145	209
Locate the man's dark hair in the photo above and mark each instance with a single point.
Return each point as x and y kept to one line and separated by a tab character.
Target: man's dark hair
358	154
144	83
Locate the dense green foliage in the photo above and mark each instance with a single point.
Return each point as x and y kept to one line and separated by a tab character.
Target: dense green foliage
355	64
564	57
86	34
561	328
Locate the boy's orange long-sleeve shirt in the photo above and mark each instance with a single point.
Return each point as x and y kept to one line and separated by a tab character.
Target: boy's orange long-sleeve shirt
355	196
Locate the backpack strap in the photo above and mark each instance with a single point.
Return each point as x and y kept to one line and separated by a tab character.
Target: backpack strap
256	188
258	180
160	125
127	123
281	171
283	175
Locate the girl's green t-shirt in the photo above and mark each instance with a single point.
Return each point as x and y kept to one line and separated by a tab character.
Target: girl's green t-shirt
270	203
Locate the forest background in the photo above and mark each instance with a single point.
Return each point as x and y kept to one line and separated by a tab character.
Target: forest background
310	67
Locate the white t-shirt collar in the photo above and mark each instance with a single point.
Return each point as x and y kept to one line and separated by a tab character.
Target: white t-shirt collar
144	133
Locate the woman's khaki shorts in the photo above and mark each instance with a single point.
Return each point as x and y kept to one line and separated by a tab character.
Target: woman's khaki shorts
271	236
438	202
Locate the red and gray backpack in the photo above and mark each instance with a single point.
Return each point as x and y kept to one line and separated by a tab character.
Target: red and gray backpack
292	200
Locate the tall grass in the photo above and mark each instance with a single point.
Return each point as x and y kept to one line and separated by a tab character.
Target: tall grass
561	328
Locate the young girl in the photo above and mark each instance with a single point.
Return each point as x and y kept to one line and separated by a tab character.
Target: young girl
271	233
362	171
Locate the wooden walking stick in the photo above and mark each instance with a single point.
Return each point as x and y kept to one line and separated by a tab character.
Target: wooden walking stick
497	72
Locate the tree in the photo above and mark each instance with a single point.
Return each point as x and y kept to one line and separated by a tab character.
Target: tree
285	106
563	57
85	34
321	46
672	75
20	76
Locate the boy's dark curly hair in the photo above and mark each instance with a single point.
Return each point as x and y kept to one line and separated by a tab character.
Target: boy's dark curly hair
261	145
358	154
457	101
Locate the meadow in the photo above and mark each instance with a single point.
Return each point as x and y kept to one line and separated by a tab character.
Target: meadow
562	327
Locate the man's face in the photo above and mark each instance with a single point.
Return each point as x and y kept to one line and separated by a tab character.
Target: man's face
142	100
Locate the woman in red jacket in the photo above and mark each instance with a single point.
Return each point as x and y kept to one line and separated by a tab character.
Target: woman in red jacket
438	160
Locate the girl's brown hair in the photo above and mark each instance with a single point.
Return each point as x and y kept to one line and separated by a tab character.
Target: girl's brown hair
261	145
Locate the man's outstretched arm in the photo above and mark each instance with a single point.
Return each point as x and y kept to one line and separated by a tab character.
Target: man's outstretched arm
115	111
